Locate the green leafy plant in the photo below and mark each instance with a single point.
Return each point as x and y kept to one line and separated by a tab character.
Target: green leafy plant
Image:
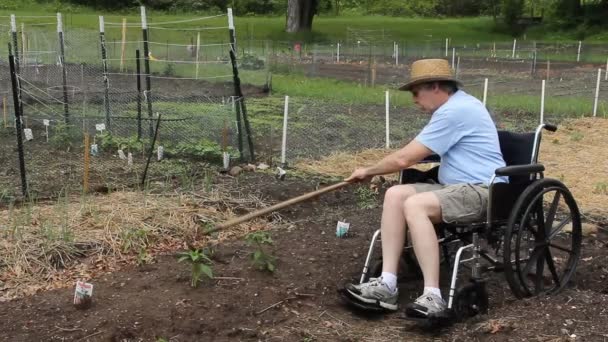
576	136
63	136
107	141
201	264
203	149
134	240
169	70
260	257
366	197
143	257
601	188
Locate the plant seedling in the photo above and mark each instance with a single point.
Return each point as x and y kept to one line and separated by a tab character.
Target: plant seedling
261	259
366	197
200	262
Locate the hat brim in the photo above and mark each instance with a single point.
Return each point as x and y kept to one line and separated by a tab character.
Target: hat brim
408	86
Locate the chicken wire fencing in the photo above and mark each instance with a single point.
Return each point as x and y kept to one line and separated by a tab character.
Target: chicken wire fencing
82	91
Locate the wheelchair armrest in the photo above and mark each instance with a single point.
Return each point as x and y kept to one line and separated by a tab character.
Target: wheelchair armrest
410	176
433	158
515	170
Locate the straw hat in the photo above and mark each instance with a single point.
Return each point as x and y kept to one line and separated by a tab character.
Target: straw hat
430	70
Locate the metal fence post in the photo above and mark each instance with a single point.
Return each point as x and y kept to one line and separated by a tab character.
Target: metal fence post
18	124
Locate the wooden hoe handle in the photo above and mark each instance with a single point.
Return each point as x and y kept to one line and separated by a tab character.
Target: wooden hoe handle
277	206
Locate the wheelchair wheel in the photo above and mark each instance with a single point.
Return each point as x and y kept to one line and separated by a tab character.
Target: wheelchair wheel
542	240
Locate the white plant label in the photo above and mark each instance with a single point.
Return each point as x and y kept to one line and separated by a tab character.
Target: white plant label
130	159
46	122
29	135
83	290
121	155
160	153
342	229
226	160
100	127
94	149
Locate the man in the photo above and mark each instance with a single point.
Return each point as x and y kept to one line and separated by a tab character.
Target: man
463	134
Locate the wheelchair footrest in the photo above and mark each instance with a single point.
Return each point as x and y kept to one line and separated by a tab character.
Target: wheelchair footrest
431	322
355	303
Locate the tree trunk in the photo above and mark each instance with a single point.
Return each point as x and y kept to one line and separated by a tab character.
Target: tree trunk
300	14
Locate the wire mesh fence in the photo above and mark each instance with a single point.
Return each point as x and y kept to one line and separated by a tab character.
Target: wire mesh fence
83	91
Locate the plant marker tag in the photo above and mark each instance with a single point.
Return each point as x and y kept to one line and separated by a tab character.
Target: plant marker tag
130	159
29	135
160	153
226	156
281	173
342	229
100	127
83	294
46	124
94	149
121	155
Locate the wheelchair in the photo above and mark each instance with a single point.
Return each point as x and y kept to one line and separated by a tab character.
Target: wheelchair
532	234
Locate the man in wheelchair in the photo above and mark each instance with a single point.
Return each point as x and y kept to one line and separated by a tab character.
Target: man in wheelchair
489	182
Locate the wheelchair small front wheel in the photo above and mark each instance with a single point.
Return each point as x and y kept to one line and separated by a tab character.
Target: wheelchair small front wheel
542	240
470	300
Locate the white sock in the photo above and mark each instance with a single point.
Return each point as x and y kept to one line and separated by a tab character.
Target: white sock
390	280
433	290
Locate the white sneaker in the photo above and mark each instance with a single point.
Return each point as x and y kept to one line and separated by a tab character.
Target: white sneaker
427	305
375	292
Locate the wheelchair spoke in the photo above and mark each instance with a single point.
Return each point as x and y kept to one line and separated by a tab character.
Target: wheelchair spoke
551	266
552	210
559	227
569	251
534	257
539	281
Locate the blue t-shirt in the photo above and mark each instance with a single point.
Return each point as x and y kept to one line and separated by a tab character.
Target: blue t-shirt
463	134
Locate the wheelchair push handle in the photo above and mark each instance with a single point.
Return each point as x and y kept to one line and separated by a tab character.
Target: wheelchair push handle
550	127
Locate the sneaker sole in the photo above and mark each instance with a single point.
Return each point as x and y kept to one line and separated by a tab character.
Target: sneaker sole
384	305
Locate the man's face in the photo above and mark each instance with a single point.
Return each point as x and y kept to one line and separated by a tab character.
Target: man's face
424	96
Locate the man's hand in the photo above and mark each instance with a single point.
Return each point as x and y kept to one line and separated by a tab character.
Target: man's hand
359	175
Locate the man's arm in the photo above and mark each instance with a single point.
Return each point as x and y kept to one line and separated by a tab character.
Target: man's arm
407	156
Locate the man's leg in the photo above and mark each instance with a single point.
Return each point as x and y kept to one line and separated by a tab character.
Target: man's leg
393	228
383	291
421	211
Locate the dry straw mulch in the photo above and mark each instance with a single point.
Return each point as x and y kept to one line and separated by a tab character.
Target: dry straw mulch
577	154
44	246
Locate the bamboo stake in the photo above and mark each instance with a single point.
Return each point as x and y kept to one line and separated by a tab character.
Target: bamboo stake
123	45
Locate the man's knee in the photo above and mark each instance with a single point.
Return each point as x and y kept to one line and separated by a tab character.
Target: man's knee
425	203
399	193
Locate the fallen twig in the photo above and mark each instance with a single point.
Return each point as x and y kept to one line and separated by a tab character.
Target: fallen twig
275	304
228	278
97	333
69	329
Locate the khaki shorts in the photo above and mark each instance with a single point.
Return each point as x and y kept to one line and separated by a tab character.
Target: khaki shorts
462	203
